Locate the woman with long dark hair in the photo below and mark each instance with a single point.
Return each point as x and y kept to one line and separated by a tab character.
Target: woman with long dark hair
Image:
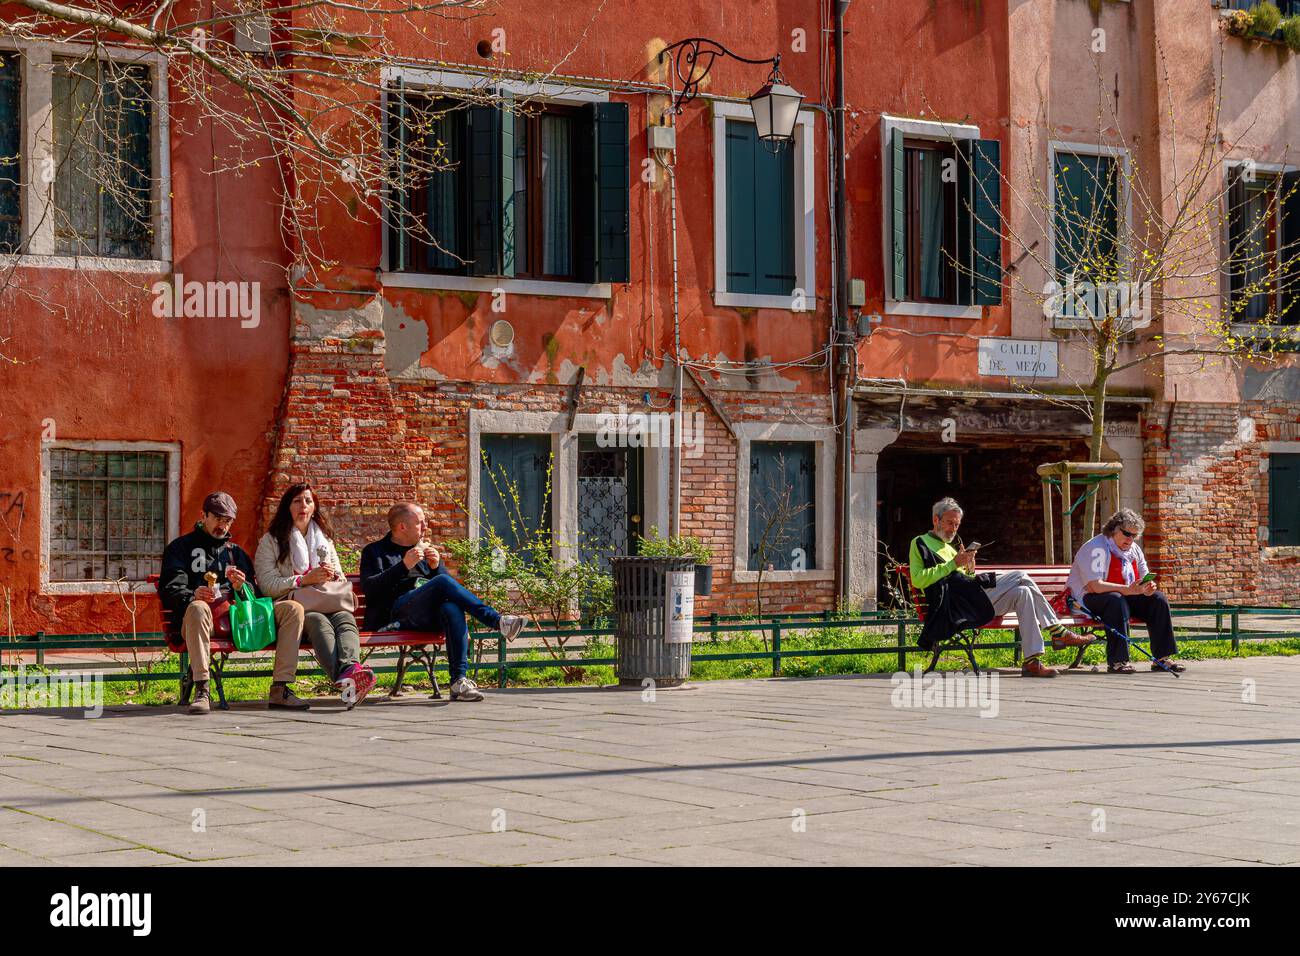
296	558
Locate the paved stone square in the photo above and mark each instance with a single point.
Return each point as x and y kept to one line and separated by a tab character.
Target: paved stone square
1087	769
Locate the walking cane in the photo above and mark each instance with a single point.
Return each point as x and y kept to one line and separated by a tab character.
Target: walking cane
1072	604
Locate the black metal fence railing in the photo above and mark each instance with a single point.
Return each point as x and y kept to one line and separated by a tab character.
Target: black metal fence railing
889	635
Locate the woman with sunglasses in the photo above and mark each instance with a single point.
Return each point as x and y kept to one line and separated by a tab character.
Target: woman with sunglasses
1111	579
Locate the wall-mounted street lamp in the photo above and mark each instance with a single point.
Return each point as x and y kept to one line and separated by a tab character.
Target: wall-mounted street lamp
775	105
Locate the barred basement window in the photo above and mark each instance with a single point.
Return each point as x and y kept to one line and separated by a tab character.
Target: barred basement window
108	514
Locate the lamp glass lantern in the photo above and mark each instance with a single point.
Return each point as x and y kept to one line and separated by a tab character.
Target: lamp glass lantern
776	110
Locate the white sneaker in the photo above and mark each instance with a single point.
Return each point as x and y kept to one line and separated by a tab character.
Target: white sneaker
510	626
465	689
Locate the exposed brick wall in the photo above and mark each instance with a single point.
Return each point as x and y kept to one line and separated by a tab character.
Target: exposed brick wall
341	430
411	440
1207	501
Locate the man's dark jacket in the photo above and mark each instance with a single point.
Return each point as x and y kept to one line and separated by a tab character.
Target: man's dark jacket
953	603
186	560
384	578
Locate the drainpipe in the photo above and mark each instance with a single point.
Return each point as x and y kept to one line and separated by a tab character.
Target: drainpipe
675	513
845	349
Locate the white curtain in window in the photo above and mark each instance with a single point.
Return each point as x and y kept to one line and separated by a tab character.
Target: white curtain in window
931	225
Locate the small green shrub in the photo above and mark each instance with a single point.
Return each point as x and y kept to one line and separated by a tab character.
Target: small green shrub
1291	32
1265	18
678	546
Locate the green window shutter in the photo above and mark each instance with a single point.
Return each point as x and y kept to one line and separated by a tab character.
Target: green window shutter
396	131
742	269
11	127
898	214
1086	217
774	219
612	173
514	472
1283	500
986	222
964	245
485	179
760	215
782	496
1290	258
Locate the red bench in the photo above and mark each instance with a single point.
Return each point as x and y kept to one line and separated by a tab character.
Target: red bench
1050	579
417	646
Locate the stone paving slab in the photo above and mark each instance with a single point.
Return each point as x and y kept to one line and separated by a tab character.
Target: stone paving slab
1088	769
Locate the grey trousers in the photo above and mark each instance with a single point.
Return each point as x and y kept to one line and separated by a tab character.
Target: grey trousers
1016	591
334	639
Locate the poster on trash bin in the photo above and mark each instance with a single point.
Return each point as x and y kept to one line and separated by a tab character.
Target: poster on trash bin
679	618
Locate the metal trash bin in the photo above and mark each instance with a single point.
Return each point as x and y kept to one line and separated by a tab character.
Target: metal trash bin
641	649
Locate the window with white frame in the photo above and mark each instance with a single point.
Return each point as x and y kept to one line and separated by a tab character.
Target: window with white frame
764	207
515	489
785	486
108	510
1262	254
943	218
1089	196
83	168
782	505
531	186
596	493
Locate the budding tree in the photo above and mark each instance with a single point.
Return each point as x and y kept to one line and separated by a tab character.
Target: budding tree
1169	254
305	88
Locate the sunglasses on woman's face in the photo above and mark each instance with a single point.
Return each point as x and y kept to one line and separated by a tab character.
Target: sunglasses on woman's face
1128	534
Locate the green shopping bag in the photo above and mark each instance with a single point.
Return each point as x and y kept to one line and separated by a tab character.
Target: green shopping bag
252	621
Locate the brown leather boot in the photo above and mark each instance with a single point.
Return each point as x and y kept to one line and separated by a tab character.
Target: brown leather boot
201	702
283	698
1033	667
1066	638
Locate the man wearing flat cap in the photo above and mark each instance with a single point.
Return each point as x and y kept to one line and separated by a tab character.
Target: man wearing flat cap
185	592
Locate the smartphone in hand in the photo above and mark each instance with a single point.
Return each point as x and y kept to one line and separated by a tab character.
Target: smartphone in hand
1149	576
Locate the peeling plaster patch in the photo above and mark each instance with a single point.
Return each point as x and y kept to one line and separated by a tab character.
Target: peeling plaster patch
763	379
313	325
648	375
493	356
407	340
619	373
1282	384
